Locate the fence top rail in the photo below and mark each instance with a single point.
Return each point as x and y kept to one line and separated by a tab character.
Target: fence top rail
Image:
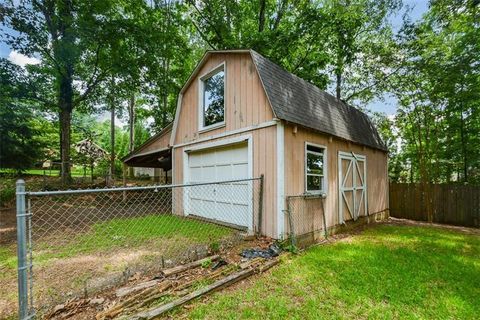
120	189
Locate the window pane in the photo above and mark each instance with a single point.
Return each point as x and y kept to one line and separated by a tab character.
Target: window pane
213	99
314	163
314	148
314	183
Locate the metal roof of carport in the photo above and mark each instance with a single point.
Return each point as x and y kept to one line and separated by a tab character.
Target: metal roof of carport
151	159
157	158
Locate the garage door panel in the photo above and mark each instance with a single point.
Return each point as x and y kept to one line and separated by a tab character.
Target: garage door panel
224	172
195	206
208	158
195	160
238	154
224	192
229	202
234	214
195	174
240	171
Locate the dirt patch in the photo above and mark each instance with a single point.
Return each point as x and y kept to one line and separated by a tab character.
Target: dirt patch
88	307
68	279
8	226
406	222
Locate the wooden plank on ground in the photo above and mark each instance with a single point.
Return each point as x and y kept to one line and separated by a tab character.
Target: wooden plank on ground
194	264
153	313
125	291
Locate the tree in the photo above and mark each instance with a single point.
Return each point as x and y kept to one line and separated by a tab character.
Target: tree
69	37
280	30
438	87
20	147
359	43
91	153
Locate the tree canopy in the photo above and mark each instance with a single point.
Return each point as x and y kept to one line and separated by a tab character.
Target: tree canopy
131	59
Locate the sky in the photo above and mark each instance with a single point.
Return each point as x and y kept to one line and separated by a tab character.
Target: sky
387	104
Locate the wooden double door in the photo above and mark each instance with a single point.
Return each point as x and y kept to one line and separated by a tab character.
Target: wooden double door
352	174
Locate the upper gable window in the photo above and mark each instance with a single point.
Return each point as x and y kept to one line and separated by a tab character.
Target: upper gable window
213	98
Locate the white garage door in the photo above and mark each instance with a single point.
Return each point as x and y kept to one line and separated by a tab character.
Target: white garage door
229	202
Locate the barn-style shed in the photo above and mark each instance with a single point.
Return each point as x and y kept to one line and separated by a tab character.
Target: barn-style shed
240	115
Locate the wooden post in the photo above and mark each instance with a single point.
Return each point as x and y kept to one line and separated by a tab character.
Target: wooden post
124	172
260	205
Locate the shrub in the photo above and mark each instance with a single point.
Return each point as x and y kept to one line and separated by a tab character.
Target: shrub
7	195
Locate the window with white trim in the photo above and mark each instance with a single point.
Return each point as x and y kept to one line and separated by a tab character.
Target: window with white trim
213	98
315	162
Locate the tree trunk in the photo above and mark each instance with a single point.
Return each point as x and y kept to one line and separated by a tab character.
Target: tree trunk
261	16
464	146
338	85
112	141
131	124
65	133
91	170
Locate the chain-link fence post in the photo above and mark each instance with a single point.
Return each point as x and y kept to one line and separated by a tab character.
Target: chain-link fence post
22	251
293	240
260	206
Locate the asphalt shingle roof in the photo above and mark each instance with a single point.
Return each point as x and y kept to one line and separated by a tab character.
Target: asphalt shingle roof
298	101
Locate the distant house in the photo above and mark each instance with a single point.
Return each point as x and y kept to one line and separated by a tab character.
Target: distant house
239	115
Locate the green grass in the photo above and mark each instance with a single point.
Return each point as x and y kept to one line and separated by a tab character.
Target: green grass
389	272
138	231
8	259
76	173
165	232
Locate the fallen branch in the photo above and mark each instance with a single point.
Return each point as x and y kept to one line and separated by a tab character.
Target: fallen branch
125	291
150	314
210	276
194	264
249	263
141	296
268	265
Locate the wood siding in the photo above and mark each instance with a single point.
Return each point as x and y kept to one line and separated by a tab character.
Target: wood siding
246	103
377	182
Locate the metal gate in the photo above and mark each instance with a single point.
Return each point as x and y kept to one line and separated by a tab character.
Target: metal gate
352	169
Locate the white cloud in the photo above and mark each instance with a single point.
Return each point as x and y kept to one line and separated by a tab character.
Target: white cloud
20	59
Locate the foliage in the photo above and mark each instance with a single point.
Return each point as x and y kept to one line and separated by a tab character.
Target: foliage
359	42
384	272
7	194
20	146
143	52
438	89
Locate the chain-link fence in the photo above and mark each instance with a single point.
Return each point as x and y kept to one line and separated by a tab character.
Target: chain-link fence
306	221
77	242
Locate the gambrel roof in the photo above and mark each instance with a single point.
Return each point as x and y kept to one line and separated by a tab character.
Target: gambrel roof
297	101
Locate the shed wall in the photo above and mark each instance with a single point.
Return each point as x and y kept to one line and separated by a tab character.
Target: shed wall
377	179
